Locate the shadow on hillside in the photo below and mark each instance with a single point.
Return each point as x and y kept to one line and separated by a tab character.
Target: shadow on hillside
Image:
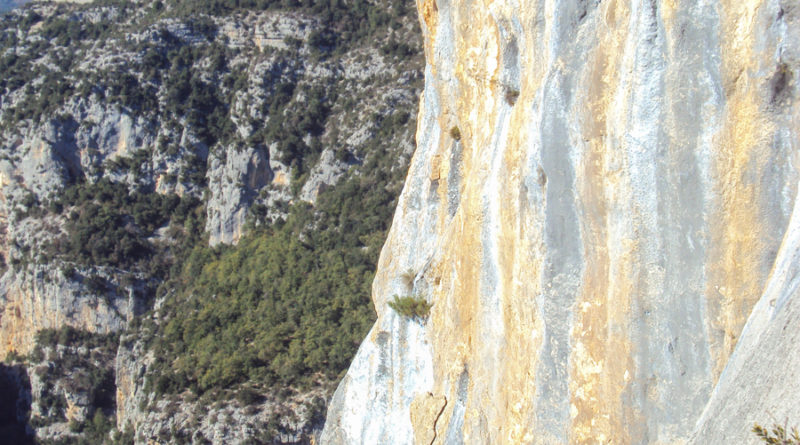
15	404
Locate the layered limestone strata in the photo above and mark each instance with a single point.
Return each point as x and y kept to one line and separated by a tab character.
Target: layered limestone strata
40	297
597	199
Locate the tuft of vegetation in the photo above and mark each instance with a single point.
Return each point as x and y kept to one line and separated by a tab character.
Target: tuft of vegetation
779	435
69	336
412	307
511	96
455	133
94	430
248	396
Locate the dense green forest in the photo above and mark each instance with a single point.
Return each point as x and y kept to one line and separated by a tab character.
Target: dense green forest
290	302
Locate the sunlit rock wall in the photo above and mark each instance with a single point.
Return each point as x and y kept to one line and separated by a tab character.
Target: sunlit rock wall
597	199
761	382
41	297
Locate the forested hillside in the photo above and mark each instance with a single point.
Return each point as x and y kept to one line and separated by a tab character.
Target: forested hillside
194	196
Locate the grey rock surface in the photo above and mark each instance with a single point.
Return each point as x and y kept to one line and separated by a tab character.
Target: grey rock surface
760	383
596	203
218	418
234	183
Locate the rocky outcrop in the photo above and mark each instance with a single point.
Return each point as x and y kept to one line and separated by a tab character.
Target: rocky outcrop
40	161
40	297
233	182
324	174
131	364
271	416
599	193
70	386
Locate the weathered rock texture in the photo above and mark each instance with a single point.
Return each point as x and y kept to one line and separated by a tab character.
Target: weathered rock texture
597	199
294	417
40	297
173	127
759	384
235	179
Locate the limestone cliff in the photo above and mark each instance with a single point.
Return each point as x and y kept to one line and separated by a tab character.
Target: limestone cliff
598	197
142	136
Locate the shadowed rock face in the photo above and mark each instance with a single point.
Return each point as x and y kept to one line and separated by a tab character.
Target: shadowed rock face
599	193
15	390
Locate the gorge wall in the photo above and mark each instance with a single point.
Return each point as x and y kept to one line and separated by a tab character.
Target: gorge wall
601	194
136	135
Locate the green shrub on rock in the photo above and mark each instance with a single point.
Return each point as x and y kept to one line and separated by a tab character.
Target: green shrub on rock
779	435
411	307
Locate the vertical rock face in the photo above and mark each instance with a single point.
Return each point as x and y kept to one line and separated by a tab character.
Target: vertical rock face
598	196
39	297
235	179
760	382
